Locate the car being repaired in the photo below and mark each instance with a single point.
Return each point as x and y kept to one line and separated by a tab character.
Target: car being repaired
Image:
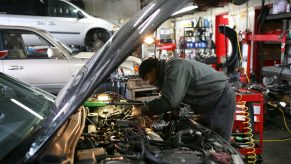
82	125
102	130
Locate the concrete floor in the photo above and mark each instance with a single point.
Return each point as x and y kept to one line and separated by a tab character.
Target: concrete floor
274	128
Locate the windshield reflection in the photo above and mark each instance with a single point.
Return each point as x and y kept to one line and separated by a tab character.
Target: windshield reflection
23	110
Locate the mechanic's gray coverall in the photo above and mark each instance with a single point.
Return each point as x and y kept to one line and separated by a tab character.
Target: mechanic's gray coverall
204	89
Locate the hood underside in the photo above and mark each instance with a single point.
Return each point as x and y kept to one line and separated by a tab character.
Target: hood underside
104	62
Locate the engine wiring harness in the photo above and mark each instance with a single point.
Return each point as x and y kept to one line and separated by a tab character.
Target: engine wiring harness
169	138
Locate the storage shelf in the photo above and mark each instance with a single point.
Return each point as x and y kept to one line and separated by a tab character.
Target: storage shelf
191	36
288	41
279	16
195	48
199	27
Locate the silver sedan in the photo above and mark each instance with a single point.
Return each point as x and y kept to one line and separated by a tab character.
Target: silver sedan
34	56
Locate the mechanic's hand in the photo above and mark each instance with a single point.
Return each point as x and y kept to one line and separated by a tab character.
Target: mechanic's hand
136	111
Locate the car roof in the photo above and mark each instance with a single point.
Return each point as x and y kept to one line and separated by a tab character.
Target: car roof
22	28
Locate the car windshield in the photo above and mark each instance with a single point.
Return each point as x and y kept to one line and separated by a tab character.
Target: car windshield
65	47
23	110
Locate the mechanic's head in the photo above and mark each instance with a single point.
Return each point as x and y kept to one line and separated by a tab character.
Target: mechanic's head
148	70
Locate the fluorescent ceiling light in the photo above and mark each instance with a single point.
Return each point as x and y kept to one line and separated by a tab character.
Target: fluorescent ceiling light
27	109
185	9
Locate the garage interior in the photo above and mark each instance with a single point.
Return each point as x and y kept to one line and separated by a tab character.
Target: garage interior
255	28
247	40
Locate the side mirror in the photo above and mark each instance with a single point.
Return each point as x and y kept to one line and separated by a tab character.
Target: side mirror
74	49
3	53
53	52
80	15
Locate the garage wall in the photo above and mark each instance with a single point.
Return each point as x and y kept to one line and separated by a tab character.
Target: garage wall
116	11
241	16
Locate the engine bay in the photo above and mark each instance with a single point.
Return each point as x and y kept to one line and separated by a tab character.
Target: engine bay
111	134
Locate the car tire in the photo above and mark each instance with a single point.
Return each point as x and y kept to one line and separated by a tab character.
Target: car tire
95	39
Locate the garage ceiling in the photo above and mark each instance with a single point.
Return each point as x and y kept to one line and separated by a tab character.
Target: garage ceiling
204	5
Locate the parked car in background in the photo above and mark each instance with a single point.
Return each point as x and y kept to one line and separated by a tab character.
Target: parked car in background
128	68
65	21
34	56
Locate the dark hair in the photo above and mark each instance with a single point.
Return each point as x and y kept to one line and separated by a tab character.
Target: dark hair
147	65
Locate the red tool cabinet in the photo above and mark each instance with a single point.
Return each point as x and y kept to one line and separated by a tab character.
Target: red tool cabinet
256	99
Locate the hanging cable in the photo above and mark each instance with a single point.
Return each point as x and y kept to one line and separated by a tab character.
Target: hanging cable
283	115
284	118
285	123
276	140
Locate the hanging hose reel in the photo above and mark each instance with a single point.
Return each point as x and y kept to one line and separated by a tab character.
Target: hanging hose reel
231	62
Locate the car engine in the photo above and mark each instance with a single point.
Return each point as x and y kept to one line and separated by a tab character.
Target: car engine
112	135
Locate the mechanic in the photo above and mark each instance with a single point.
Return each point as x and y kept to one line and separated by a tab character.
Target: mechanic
206	91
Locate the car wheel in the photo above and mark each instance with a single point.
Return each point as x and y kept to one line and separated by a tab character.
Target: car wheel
96	39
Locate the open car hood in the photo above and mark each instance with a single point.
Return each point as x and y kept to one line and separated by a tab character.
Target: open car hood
101	65
112	54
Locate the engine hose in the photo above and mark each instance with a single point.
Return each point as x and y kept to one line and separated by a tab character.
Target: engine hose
251	153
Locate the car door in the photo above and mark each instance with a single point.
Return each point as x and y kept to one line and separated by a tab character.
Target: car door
63	22
32	59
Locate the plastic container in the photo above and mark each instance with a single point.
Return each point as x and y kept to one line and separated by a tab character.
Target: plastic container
275	8
289	34
196	44
282	6
288	8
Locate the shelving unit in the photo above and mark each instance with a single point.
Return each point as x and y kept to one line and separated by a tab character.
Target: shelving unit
196	39
279	16
271	42
197	33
